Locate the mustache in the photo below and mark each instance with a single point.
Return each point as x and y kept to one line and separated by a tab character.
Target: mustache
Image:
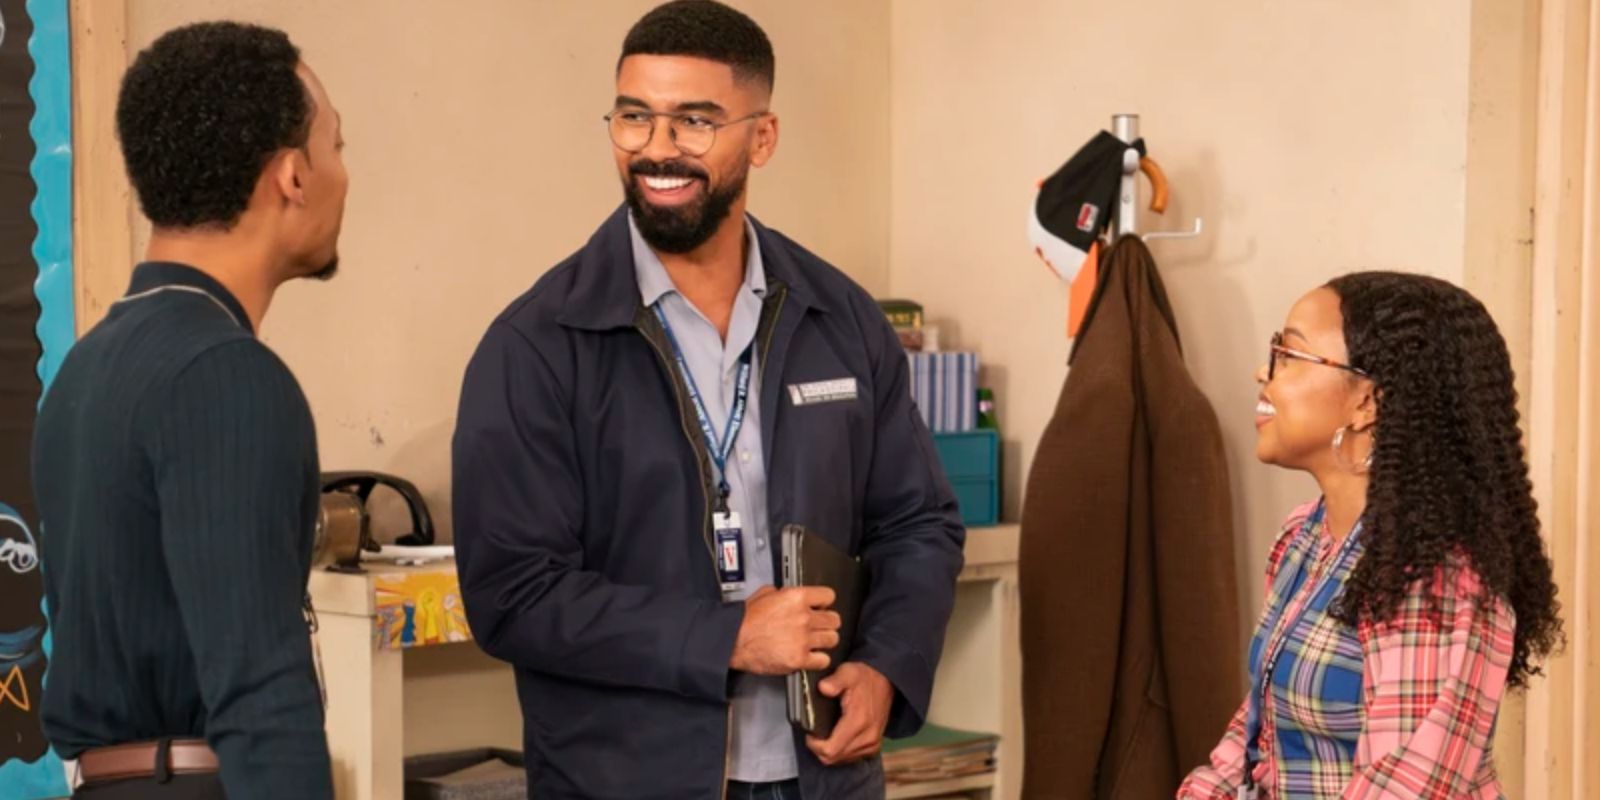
665	169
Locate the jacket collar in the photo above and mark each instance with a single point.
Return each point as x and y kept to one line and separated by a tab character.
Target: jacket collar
152	276
604	293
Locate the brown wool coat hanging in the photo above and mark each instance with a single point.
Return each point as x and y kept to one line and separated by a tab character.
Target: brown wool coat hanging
1132	661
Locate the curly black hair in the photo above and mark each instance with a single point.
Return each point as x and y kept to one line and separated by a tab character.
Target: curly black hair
200	113
1449	478
705	29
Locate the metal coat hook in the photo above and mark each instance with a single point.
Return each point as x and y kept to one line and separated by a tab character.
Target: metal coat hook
1126	128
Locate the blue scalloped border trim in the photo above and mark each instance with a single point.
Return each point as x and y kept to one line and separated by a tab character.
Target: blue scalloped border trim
51	130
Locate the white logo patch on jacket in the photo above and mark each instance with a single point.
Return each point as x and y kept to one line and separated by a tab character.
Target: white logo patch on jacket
834	391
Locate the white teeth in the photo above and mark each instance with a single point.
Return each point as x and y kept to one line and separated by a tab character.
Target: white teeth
666	184
1266	409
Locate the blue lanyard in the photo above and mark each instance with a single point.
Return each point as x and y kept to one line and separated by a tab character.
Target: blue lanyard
721	447
1262	683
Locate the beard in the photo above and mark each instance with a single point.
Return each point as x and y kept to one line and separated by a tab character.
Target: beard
326	271
684	227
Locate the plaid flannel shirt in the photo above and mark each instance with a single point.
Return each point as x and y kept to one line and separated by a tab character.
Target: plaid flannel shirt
1402	709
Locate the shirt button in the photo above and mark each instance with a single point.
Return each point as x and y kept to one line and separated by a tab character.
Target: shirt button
761	544
744	455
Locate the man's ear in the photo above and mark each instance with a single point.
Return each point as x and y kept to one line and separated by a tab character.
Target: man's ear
766	142
284	171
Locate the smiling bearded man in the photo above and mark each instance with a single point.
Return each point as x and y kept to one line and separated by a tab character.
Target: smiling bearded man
636	431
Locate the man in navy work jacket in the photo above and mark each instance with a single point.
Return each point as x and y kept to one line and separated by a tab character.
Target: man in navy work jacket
635	432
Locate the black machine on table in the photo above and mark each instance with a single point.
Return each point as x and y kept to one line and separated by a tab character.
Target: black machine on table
344	524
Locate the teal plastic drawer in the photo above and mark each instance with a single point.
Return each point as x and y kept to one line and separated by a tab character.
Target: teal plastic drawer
979	501
971	460
970	454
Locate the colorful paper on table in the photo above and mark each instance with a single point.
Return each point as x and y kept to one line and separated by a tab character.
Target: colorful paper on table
418	610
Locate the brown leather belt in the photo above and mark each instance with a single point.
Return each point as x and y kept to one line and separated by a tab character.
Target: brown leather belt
142	760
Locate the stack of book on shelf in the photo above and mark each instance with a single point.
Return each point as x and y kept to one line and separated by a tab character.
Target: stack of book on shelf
958	411
943	384
938	754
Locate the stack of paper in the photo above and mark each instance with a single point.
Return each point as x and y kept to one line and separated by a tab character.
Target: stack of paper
938	754
491	780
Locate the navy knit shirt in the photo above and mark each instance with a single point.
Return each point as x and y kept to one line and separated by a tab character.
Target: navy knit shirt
175	464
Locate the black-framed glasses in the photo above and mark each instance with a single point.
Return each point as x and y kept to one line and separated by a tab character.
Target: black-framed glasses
1277	352
693	134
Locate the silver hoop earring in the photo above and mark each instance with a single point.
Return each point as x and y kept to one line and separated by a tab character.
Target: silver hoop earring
1338	452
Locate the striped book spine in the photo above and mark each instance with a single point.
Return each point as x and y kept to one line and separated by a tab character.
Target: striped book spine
945	388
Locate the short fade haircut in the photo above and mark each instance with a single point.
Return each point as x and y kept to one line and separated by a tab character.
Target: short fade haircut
200	113
704	29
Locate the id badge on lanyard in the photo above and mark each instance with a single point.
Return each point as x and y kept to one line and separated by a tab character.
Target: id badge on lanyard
725	523
730	551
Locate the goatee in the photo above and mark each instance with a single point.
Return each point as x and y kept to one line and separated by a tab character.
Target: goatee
327	271
680	228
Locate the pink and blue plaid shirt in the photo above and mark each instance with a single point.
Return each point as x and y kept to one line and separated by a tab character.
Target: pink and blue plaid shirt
1402	709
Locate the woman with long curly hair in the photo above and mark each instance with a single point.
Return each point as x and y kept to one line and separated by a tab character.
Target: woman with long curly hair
1404	602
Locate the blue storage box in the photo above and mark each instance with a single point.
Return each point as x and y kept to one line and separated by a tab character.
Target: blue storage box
972	462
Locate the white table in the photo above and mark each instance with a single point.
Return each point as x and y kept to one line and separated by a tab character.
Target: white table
387	702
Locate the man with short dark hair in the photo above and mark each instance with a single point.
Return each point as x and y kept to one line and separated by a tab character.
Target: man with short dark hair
635	432
175	459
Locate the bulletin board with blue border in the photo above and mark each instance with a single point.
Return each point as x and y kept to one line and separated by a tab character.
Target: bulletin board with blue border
36	330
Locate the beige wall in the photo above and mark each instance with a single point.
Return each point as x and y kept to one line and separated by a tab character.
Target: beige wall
478	160
1314	138
1313	141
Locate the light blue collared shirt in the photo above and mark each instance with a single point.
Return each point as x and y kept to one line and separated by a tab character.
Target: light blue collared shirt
763	745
